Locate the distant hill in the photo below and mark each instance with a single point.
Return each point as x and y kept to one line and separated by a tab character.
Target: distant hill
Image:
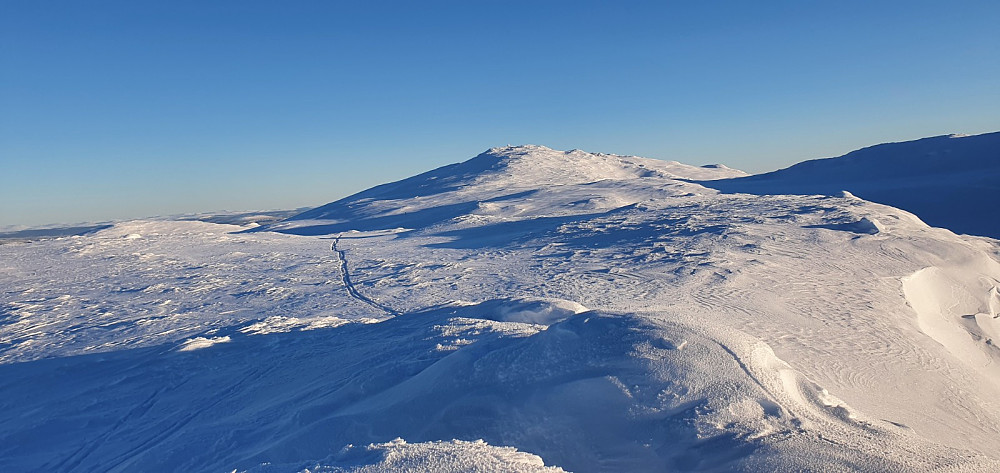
950	181
495	179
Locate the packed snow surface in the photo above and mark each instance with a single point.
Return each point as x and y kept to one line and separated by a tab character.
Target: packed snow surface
526	310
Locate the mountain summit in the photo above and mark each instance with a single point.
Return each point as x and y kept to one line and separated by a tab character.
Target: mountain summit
507	174
533	165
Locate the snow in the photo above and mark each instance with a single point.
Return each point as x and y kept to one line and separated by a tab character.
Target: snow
280	324
197	343
497	185
526	310
956	305
104	291
949	181
398	456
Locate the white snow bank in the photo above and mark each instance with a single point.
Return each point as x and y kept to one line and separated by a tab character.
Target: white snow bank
398	456
280	324
959	307
539	311
198	343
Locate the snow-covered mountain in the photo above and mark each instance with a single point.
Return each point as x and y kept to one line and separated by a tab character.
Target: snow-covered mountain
499	181
526	310
950	181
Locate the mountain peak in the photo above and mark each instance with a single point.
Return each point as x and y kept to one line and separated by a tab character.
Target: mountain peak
536	159
497	173
516	149
536	166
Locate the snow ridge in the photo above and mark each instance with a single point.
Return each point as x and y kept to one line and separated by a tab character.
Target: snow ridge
949	181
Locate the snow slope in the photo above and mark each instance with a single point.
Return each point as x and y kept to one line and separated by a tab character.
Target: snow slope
527	310
949	181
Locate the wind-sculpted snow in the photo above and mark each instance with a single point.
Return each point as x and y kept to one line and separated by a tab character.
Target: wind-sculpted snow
620	319
666	397
146	282
959	307
949	181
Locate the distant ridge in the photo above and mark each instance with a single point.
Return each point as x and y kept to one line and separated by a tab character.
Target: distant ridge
950	181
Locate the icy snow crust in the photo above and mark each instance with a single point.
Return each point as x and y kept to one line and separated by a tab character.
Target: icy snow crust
527	310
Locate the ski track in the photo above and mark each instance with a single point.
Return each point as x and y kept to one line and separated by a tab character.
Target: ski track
77	457
353	291
122	460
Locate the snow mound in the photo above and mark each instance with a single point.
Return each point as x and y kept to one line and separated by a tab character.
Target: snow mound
398	456
959	307
538	311
280	324
198	343
865	225
869	225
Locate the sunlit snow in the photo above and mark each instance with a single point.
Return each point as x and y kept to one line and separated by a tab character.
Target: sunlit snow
526	310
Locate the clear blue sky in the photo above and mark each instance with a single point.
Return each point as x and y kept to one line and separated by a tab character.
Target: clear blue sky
137	108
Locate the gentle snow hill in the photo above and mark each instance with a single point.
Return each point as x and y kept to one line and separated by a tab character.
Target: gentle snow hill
501	180
950	181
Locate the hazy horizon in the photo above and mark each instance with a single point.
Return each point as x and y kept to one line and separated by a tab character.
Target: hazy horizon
119	110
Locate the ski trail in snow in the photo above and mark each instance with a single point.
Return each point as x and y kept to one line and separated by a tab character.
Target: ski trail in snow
121	461
77	457
353	291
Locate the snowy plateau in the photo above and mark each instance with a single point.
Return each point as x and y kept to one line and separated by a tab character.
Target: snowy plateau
528	310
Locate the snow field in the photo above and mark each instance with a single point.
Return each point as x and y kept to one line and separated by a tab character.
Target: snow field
527	310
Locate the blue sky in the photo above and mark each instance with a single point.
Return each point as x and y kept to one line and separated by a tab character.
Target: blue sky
139	108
